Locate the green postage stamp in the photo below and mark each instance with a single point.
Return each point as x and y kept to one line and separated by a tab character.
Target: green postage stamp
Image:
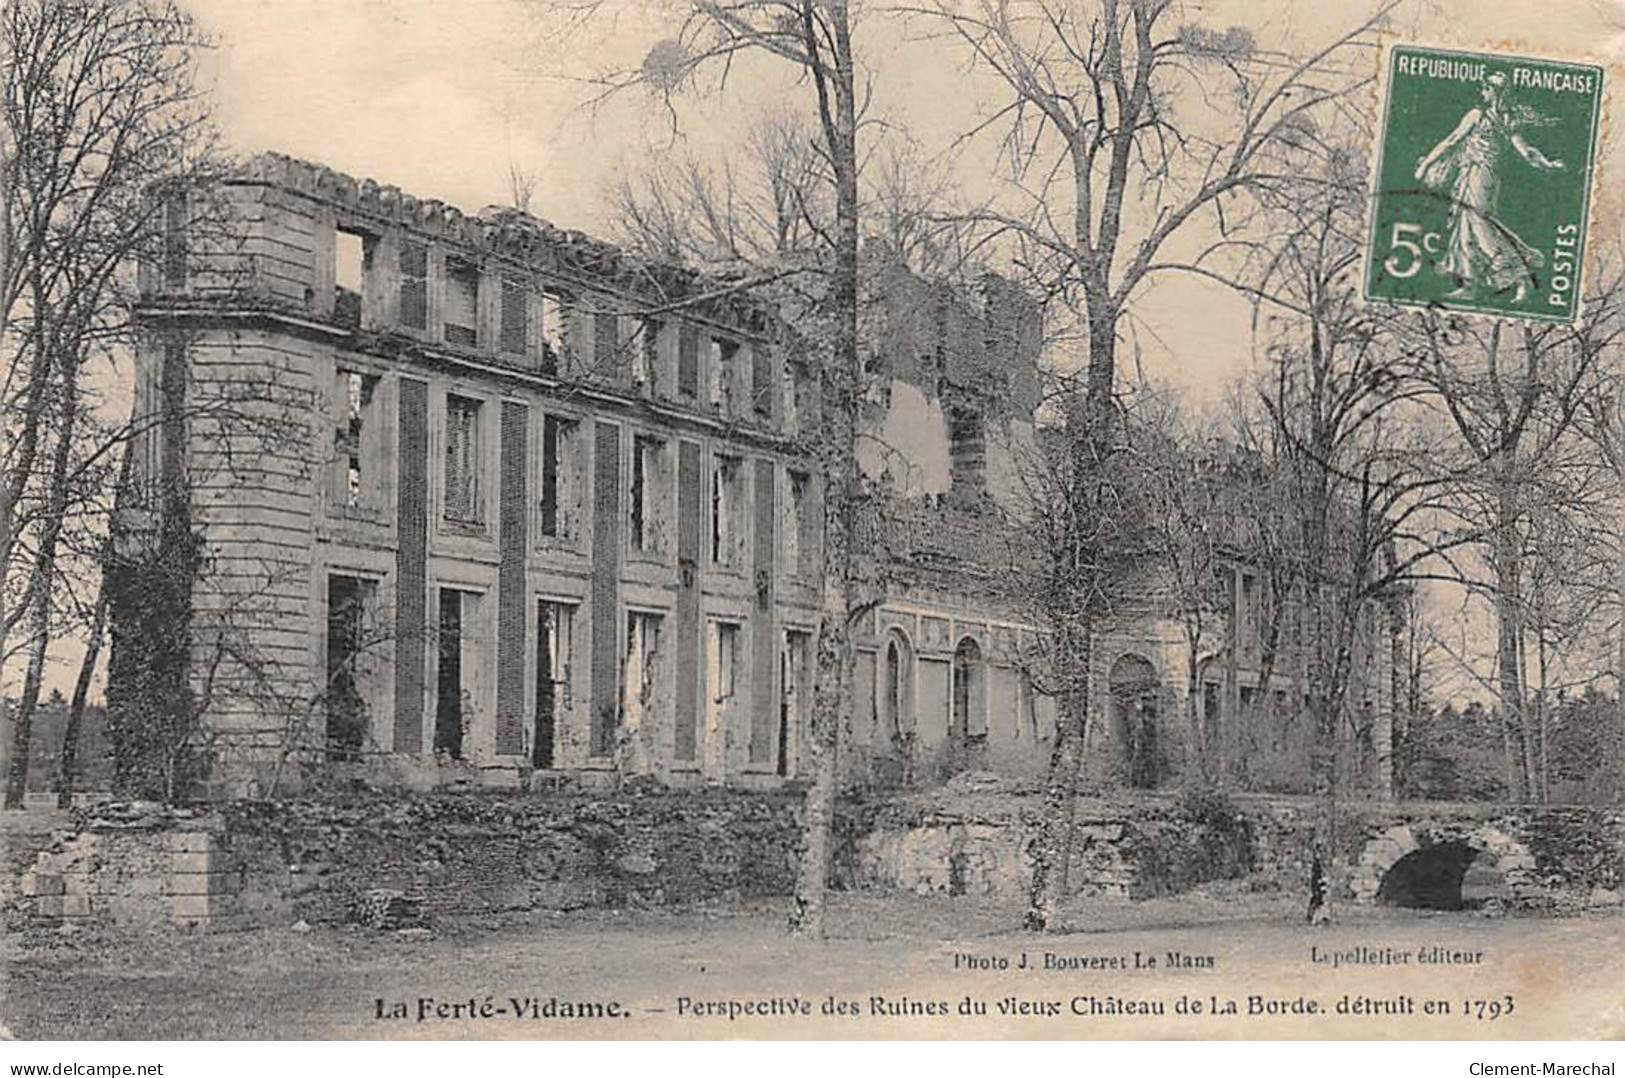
1483	183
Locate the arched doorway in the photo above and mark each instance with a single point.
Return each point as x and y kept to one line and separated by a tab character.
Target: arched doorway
967	730
894	742
1133	685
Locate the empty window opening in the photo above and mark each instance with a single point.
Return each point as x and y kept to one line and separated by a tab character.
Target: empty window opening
788	395
552	323
724	660
1134	687
462	460
640	677
414	285
348	601
638	338
1026	707
176	223
967	452
462	302
795	511
606	343
512	335
688	361
798	390
645	502
761	381
722	355
1210	715
727	507
352	258
357	439
650	347
450	691
1431	878
969	695
558	475
793	680
721	685
553	627
897	691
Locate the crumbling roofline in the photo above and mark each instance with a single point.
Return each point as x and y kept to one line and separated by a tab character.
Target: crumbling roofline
526	241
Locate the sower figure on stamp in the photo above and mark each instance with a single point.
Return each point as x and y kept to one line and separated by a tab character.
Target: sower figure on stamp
1481	250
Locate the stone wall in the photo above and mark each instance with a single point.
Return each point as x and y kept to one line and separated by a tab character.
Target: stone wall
959	841
1539	857
470	853
447	856
157	869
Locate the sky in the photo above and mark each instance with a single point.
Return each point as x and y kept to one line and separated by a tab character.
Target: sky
443	98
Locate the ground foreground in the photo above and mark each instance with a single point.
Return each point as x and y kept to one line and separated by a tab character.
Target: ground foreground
896	966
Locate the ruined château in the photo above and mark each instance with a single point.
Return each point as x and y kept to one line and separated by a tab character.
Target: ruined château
479	500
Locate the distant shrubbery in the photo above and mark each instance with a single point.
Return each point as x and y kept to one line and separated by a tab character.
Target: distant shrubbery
1463	755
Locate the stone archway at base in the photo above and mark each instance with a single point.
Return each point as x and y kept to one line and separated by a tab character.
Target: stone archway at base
1449	866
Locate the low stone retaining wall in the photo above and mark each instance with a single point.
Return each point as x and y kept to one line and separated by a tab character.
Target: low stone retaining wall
969	842
953	843
452	855
449	854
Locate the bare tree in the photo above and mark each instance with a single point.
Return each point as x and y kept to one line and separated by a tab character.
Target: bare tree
1186	496
1513	395
814	38
1371	501
1601	421
1105	172
100	104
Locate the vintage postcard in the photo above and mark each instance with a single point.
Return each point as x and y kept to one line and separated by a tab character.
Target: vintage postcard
797	519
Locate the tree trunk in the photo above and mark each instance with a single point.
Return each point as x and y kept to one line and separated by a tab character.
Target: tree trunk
1619	598
832	698
1400	705
1543	712
21	468
1509	661
1193	707
76	709
22	722
1074	588
1051	850
44	580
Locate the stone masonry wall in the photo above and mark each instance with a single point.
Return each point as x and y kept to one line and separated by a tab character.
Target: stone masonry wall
961	841
136	876
446	856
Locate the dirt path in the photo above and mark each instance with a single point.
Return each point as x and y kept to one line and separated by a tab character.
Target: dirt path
902	965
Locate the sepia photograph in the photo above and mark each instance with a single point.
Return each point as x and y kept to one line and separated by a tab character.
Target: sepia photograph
815	520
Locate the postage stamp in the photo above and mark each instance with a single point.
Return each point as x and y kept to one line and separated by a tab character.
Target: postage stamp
1483	183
